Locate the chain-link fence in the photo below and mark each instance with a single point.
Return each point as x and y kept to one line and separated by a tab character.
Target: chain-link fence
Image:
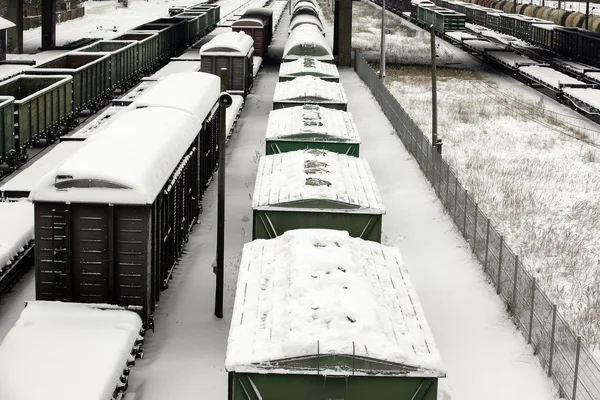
561	353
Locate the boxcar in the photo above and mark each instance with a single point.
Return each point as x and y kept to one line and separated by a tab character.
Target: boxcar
234	51
316	189
124	65
91	77
308	66
349	299
7	140
111	232
311	127
147	49
258	24
43	105
310	90
307	41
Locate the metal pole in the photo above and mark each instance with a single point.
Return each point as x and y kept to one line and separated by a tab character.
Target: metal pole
465	215
552	341
576	368
514	294
498	286
433	91
587	15
475	228
515	7
382	50
221	204
487	245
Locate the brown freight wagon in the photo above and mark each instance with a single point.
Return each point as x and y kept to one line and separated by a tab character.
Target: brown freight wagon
231	50
258	24
111	221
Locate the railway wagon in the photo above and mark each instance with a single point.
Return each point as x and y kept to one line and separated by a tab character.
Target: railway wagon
589	48
524	27
316	189
348	298
193	26
166	38
16	241
213	13
110	232
566	41
94	126
234	51
311	127
308	66
310	90
124	63
180	29
542	35
258	24
307	41
305	19
7	122
102	341
147	49
305	8
91	77
42	106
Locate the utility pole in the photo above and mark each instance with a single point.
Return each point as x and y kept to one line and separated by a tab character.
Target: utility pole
382	62
434	138
224	102
515	7
587	15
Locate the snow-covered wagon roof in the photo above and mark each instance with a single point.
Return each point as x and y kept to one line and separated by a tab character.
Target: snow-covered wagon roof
304	37
312	122
309	89
318	292
16	220
308	66
177	66
129	163
305	19
232	43
96	125
297	178
27	179
66	351
180	91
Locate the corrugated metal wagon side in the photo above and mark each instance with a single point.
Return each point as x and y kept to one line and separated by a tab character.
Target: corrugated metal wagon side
147	50
43	105
7	141
91	77
124	67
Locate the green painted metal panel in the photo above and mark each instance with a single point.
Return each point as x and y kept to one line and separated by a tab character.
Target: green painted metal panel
283	146
7	141
268	224
147	49
122	59
319	387
284	104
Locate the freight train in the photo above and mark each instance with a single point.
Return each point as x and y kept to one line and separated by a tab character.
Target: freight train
559	31
42	103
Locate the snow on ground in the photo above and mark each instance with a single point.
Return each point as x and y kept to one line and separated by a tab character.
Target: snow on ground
480	347
61	351
16	220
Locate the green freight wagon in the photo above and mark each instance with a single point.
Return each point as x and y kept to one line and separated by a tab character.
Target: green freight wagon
203	26
43	105
448	21
542	34
180	28
192	26
524	27
7	122
147	49
308	66
325	316
310	90
213	14
124	66
311	127
91	77
316	189
167	34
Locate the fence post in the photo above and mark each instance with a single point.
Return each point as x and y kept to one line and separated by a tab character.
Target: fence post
475	228
498	288
455	194
465	216
487	245
552	341
576	368
440	174
514	294
531	312
447	184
